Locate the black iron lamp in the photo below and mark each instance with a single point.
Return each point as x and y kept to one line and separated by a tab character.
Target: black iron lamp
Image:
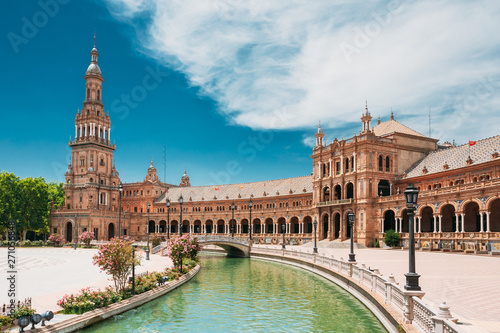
147	247
315	249
181	201
411	196
250	204
350	217
168	218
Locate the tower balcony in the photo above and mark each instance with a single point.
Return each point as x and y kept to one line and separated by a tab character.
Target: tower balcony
92	140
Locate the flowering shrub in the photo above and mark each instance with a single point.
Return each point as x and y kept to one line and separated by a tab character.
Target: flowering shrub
183	247
86	237
56	239
115	259
88	300
155	240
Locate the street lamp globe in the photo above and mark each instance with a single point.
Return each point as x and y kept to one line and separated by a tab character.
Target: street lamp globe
411	196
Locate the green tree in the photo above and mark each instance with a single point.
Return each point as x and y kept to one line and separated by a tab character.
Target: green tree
34	206
9	199
56	194
116	259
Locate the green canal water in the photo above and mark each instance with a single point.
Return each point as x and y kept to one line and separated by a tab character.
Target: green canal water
248	295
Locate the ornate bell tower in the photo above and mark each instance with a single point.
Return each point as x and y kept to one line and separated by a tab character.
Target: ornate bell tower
92	180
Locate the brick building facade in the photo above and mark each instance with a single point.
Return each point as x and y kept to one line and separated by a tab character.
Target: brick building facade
459	202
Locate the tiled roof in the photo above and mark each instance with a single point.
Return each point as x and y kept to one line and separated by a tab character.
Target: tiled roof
392	126
244	190
456	157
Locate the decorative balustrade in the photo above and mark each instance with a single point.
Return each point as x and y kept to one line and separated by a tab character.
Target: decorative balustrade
414	310
334	202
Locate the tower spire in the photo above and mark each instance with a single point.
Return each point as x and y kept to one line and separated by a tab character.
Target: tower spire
94	38
366	119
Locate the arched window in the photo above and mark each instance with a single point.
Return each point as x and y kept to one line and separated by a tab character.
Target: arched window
98	95
346	165
88	93
387	164
380	163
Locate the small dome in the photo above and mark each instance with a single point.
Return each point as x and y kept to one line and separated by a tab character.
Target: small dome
93	70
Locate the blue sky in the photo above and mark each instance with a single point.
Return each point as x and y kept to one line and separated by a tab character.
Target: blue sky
241	84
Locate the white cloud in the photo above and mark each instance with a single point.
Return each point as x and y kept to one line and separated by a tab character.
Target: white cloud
288	64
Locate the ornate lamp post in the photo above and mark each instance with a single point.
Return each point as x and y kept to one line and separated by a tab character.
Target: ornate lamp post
250	204
76	232
147	225
315	249
120	211
168	218
134	247
352	256
283	229
233	206
411	195
181	201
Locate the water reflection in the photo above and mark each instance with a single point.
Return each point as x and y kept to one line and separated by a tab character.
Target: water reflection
241	295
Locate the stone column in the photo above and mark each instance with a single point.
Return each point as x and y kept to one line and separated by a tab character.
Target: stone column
481	222
341	165
488	221
420	224
81	133
457	222
76	132
353	162
319	169
435	223
462	222
330	167
109	134
440	225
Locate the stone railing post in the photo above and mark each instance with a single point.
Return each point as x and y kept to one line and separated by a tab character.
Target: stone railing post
388	289
350	268
408	304
442	315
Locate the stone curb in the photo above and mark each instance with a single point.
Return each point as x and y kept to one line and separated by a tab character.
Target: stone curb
97	315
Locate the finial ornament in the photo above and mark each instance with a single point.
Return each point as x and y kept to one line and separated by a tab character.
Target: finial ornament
94	38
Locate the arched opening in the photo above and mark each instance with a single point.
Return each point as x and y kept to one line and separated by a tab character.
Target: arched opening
427	220
448	218
151	227
174	226
380	163
111	231
185	226
197	227
387	164
472	219
324	170
384	188
88	93
389	221
163	226
69	232
257	226
346	165
209	226
98	95
350	191
494	215
220	226
294	225
325	226
244	226
281	221
326	194
338	192
268	224
308	227
337	225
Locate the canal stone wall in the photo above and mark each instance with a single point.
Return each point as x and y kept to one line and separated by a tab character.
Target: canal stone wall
97	315
394	307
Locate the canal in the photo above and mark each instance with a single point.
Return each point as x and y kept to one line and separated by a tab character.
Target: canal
242	294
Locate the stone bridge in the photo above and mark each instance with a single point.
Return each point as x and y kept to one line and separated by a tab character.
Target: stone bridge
235	247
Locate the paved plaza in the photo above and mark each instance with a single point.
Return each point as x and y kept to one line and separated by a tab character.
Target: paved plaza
47	274
468	283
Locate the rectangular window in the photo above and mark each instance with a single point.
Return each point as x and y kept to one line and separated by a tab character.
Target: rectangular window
125	232
55	230
96	233
135	209
337	167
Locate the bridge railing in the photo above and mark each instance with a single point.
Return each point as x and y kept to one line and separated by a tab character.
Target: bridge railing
225	238
412	308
